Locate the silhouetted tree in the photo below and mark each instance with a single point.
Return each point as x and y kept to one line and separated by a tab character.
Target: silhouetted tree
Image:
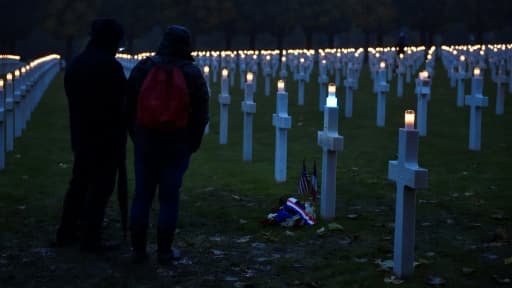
137	17
67	20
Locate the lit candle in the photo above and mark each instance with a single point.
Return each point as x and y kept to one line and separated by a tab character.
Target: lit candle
224	73
301	60
382	65
409	119
331	96
476	72
462	58
16	74
9	77
401	55
249	77
206	69
280	86
1	84
423	75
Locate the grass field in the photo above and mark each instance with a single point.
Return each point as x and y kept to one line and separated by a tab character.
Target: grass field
463	230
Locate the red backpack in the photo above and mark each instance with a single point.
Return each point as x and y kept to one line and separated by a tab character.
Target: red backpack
163	103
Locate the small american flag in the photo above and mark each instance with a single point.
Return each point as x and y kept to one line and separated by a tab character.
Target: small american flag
314	183
304	180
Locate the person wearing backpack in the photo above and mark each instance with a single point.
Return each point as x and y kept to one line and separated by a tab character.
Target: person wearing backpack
168	111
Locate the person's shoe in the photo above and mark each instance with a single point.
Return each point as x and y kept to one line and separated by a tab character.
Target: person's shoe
100	247
166	258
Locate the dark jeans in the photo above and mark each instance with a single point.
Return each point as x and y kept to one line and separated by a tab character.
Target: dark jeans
160	161
91	185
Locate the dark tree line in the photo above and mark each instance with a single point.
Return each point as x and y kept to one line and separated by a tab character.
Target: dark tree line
68	20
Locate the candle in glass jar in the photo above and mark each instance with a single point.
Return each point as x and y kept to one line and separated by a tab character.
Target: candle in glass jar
409	119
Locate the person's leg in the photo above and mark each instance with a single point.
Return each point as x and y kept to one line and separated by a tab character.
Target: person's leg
102	179
67	233
171	177
145	187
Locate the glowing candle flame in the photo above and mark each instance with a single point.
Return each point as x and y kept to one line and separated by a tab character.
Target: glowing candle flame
476	72
249	77
424	75
331	100
280	86
409	119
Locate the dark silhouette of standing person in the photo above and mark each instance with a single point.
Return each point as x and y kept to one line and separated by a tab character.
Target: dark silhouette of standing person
95	87
401	43
161	158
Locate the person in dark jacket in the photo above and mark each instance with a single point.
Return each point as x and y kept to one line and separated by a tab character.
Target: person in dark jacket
161	158
95	87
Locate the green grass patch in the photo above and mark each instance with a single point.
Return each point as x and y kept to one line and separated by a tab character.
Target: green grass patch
463	218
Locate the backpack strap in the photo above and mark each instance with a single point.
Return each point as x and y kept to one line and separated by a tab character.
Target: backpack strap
158	60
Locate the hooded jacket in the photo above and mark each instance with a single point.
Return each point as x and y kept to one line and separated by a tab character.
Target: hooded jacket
174	50
95	87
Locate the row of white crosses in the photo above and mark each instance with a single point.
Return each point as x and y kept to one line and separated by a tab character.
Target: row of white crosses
381	63
20	92
460	62
9	63
473	59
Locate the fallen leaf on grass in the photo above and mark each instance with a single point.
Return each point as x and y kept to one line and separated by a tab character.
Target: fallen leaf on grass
215	238
165	272
289	233
384	265
243	221
499	216
321	231
352	216
467	270
361	260
501	280
217	253
490	256
21	207
243	239
335	227
508	261
62	165
184	261
393	280
423	201
249	273
430	254
426	224
314	284
230	278
269	237
236	197
435	280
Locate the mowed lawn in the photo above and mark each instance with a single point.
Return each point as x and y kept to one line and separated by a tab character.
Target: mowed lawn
463	224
